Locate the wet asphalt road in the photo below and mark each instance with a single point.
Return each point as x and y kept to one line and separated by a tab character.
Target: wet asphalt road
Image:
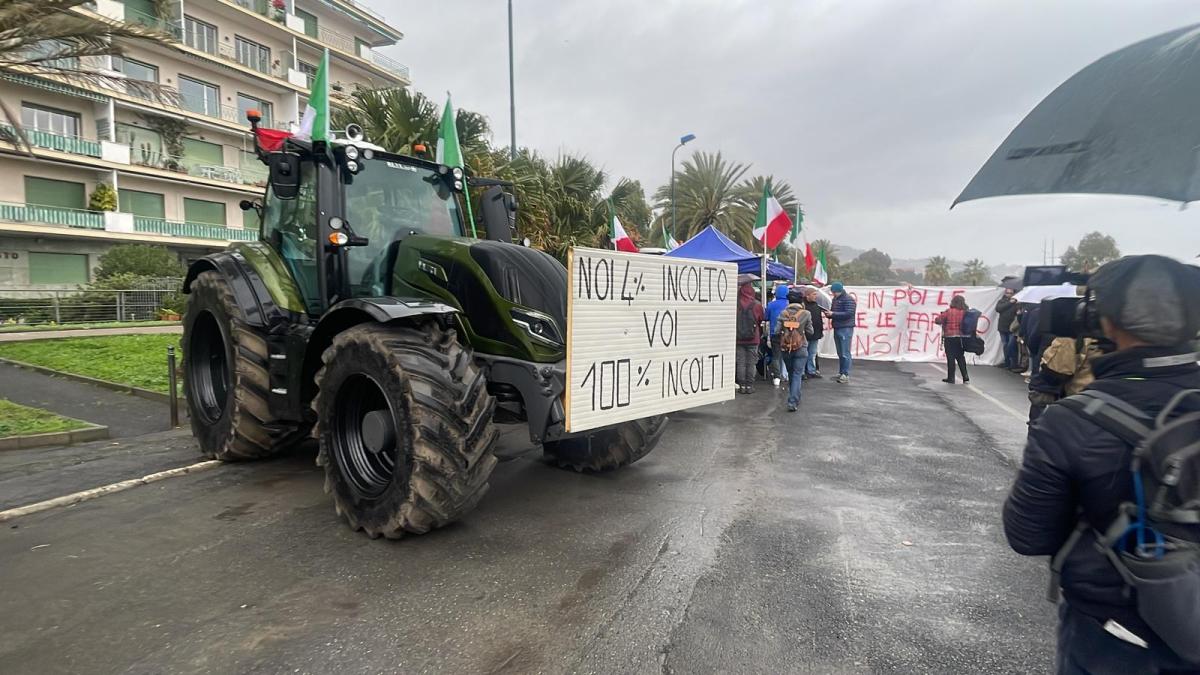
858	535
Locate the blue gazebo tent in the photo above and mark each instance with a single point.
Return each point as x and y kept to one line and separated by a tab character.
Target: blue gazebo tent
711	244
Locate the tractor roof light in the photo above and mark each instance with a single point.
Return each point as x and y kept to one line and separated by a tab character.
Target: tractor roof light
352	166
351	152
338	238
458	173
458	185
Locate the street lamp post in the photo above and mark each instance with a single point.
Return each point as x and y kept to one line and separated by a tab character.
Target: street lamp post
683	140
512	92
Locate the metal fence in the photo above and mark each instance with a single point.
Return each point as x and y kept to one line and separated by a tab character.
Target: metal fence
35	307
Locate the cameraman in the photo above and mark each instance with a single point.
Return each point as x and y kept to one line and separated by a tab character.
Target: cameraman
1073	469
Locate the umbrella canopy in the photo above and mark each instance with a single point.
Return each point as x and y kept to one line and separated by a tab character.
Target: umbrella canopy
1036	294
1126	124
711	244
823	299
1015	283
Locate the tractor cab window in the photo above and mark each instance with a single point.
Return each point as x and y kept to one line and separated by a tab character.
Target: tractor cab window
290	227
386	202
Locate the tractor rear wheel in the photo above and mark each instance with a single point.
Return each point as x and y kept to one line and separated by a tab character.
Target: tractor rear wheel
225	378
405	428
609	448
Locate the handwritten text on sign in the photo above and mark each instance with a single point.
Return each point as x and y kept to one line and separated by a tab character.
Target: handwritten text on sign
647	335
894	323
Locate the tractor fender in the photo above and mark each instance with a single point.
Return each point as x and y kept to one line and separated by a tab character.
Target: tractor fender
349	313
251	294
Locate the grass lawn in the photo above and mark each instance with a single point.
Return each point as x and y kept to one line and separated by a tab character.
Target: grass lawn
136	360
26	328
18	420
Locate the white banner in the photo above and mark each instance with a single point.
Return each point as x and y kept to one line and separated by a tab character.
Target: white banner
646	335
895	323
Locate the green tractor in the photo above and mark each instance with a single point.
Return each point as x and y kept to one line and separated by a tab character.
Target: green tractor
366	318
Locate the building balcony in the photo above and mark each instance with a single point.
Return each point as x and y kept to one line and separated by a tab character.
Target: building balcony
391	65
145	156
172	27
173	228
74	145
51	215
275	11
206	108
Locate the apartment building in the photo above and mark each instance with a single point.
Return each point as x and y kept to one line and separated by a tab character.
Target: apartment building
179	171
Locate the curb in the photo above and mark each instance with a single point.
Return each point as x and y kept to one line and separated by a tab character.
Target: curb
92	432
115	386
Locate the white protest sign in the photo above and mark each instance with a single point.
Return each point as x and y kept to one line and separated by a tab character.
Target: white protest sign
895	323
646	335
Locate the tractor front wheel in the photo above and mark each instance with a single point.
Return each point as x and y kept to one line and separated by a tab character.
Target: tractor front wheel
405	428
607	449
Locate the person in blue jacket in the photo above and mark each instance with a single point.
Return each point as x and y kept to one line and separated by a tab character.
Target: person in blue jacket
843	315
774	307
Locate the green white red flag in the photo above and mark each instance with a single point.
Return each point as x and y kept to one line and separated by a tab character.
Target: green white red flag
821	272
771	225
620	238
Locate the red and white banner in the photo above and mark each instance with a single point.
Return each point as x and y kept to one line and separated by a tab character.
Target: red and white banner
895	323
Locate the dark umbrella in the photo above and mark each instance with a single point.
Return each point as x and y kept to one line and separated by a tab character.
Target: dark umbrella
1012	282
1126	124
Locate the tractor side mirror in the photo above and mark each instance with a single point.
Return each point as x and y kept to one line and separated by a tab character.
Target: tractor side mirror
499	214
284	174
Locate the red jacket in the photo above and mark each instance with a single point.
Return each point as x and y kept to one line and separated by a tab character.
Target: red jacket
951	322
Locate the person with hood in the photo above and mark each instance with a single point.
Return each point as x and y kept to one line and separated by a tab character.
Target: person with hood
1074	470
812	302
793	330
1006	312
844	316
749	321
778	368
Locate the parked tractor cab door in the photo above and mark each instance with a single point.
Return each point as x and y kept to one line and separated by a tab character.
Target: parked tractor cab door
290	227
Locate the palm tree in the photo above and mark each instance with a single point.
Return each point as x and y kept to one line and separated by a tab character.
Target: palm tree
937	271
975	273
49	39
706	192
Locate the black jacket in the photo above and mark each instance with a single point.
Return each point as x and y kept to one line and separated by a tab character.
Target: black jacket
1006	309
1074	468
818	320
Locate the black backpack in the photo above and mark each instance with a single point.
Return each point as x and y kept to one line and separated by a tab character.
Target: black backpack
1154	542
746	323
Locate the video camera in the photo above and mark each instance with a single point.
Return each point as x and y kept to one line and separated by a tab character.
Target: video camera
1074	317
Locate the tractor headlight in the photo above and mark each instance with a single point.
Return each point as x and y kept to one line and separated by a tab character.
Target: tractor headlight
458	185
352	166
457	173
351	152
540	327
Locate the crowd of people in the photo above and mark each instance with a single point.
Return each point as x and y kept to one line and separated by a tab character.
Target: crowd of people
780	342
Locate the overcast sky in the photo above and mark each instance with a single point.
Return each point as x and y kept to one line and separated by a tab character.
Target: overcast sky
878	112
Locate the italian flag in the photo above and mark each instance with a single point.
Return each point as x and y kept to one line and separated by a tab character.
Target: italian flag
314	125
821	272
772	224
620	238
669	242
799	233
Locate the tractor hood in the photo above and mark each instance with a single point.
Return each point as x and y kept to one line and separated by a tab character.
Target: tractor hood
512	299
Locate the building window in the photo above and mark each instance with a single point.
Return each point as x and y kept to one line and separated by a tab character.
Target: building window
361	48
49	120
200	97
38	51
199	35
246	102
202	157
135	70
58	268
310	72
63	194
203	211
142	204
310	22
252	55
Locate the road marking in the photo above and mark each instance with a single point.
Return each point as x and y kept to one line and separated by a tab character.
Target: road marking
75	498
999	404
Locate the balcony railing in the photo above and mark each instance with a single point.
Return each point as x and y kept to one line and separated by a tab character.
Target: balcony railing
51	141
391	65
175	228
366	10
169	26
267	8
144	156
51	215
335	39
267	66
